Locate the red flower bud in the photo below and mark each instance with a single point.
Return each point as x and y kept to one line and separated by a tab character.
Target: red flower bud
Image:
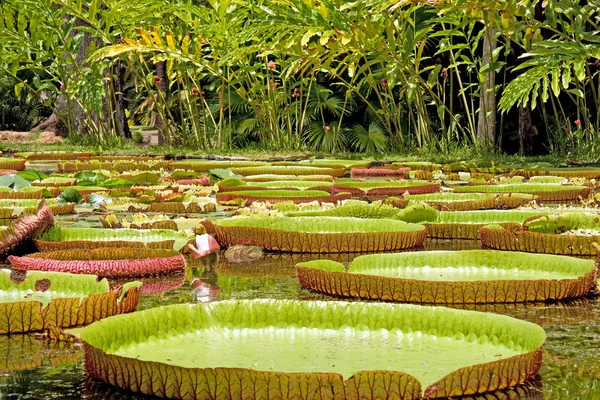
326	127
62	86
296	93
384	83
444	73
195	91
577	122
271	65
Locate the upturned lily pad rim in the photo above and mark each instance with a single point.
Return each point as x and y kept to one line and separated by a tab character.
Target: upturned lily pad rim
109	335
497	259
321	224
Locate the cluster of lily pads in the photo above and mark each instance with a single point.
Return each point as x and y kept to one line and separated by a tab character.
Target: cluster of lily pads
155	215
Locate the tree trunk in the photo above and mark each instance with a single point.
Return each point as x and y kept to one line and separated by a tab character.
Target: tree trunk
122	125
527	132
486	121
163	87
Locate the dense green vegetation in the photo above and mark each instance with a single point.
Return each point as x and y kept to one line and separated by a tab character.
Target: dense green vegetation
368	76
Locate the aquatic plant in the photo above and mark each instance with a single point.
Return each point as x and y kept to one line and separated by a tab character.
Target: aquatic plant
319	235
546	192
469	276
276	196
26	227
61	238
323	341
34	300
103	262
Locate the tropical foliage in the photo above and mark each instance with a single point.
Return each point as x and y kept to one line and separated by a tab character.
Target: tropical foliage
382	75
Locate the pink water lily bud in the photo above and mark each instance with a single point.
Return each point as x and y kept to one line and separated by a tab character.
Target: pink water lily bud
205	245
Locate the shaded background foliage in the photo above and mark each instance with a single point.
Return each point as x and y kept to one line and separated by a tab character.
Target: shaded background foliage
366	76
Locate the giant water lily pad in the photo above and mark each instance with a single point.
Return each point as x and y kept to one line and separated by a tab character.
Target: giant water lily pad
104	262
590	173
319	235
13	208
60	238
377	189
546	192
278	196
35	300
305	350
472	201
519	239
466	224
294	170
470	276
26	227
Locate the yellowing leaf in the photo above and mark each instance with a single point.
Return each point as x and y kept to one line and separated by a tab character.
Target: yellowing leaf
185	46
346	38
156	36
306	38
145	36
325	38
170	40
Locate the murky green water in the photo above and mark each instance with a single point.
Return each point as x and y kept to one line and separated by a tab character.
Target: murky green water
571	368
33	368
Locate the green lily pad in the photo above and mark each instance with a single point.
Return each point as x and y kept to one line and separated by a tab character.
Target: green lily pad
33	301
470	276
60	238
349	350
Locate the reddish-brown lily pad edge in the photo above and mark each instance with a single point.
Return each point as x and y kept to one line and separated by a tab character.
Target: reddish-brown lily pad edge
104	262
451	277
308	350
318	234
35	301
519	239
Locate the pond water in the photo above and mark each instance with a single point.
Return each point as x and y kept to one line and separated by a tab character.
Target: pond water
33	368
29	367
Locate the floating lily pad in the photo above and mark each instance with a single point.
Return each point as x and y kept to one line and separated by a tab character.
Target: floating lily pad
377	189
590	173
272	177
103	262
60	238
519	239
469	276
26	227
295	170
472	201
305	350
54	155
277	196
319	235
546	192
466	224
326	163
34	301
